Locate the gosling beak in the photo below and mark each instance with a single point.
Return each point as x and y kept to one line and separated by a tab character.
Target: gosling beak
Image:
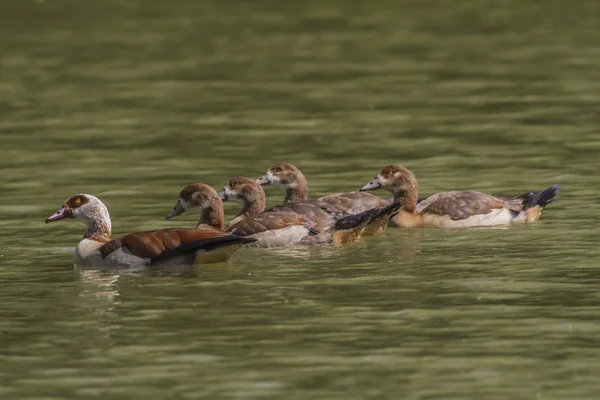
263	180
62	213
224	195
374	184
177	210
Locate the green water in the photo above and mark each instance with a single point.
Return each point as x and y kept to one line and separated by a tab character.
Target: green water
132	100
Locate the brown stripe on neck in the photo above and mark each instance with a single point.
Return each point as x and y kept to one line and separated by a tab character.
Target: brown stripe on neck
299	193
252	207
408	192
409	199
213	216
298	189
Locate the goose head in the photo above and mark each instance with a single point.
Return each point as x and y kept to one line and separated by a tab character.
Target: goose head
88	209
284	175
196	197
393	178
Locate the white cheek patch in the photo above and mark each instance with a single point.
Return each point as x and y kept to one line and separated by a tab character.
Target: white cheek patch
231	196
274	179
185	204
84	210
76	212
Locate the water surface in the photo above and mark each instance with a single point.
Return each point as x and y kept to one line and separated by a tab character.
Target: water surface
132	100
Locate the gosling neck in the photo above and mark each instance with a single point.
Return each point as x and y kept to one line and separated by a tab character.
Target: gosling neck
297	191
213	216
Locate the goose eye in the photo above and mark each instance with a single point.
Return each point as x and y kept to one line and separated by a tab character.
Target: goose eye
278	170
389	174
234	184
77	201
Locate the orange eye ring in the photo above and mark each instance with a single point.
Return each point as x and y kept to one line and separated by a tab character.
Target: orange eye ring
77	201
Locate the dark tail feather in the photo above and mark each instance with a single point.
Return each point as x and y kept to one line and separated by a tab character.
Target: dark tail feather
387	211
204	244
343	230
379	221
354	221
539	197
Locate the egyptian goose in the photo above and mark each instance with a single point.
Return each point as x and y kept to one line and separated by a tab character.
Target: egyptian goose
272	229
269	228
458	208
345	227
290	178
166	246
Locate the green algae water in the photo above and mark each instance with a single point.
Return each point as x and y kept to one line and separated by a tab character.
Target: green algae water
132	100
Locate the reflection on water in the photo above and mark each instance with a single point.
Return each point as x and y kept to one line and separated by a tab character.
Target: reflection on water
99	285
132	100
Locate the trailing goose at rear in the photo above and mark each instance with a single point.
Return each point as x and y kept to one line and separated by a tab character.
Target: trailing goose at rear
457	209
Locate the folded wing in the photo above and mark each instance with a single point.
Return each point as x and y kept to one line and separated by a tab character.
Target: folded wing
270	221
462	205
162	244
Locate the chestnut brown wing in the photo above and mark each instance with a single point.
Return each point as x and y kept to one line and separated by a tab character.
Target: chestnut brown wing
165	243
460	205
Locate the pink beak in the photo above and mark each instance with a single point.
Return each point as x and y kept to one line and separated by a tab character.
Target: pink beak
62	213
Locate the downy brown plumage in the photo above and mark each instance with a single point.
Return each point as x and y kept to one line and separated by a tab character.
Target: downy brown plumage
270	228
293	182
457	208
